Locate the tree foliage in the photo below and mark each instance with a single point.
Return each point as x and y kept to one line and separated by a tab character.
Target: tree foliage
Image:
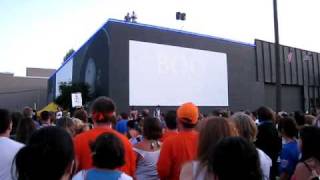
66	89
68	54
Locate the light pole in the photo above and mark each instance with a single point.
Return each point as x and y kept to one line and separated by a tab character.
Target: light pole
277	47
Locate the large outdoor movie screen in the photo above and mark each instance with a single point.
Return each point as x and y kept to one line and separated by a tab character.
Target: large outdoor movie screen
168	75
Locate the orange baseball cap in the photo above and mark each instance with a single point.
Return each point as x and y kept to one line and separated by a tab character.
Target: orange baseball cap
188	113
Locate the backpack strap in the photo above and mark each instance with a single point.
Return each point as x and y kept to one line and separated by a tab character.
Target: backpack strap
308	167
314	174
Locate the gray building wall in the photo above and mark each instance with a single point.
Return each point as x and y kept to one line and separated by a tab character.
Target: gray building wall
17	92
244	89
39	72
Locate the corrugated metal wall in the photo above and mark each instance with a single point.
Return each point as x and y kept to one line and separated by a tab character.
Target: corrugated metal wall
301	71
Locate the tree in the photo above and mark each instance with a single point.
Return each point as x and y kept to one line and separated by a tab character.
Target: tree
66	89
68	54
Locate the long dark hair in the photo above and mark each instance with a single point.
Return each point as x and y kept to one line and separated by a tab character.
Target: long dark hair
25	129
235	158
310	143
47	155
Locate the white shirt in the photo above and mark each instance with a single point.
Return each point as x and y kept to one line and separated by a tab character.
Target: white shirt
9	149
265	164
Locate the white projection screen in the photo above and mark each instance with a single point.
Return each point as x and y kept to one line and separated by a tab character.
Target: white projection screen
168	75
64	75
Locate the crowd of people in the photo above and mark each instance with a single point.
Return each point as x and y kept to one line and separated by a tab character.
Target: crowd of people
179	144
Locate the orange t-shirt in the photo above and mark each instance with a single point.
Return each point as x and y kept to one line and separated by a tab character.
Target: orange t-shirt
168	134
83	152
176	151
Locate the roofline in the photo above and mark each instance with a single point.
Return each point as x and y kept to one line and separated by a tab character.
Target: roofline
153	27
71	56
181	31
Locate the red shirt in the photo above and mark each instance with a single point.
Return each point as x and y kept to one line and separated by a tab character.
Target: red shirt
83	152
168	134
176	151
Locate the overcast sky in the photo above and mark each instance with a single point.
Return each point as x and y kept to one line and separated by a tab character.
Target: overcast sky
38	33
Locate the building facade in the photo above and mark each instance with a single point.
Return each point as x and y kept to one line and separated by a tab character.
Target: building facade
104	63
31	90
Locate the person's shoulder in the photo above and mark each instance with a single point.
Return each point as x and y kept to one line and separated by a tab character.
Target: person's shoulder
83	135
12	143
263	156
119	135
171	139
122	137
124	176
138	146
79	176
301	167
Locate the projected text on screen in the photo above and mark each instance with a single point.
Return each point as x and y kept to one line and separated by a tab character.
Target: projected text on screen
168	75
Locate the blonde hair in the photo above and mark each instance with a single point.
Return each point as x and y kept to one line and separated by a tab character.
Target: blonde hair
245	125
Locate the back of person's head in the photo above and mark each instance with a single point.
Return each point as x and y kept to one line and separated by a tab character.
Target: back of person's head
245	125
79	126
299	118
288	127
25	129
5	121
171	120
265	114
187	115
48	155
152	128
27	112
103	110
16	118
82	115
44	115
309	120
67	124
220	113
107	152
310	146
235	158
134	128
134	124
254	115
145	113
124	115
213	130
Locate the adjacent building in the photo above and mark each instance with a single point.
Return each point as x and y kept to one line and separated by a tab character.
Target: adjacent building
30	90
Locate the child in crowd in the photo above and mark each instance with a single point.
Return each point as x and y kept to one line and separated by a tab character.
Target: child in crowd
107	155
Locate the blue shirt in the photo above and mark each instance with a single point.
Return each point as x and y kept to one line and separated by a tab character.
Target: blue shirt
289	157
121	126
94	174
